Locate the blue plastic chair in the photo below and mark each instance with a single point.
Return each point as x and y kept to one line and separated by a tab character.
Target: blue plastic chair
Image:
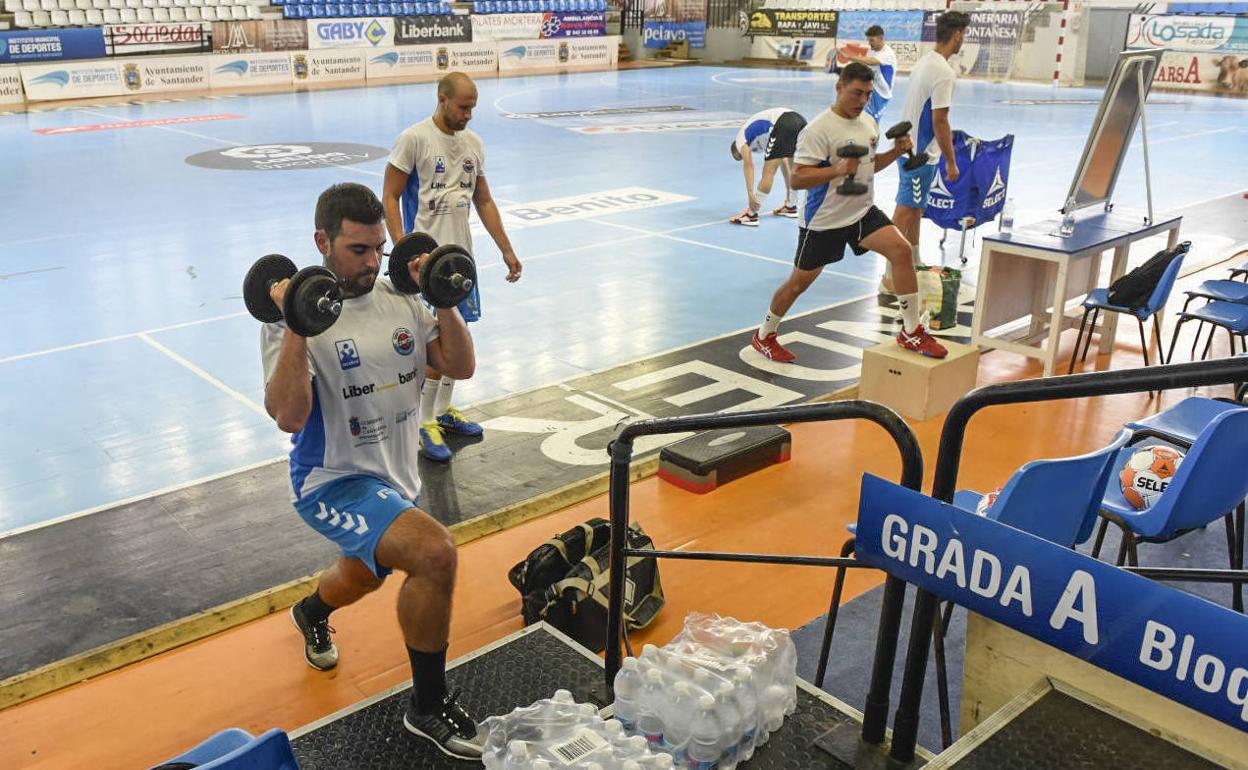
1098	300
235	749
1058	500
1220	291
1182	423
1231	316
1209	484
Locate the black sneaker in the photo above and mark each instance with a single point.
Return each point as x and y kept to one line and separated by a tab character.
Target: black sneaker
318	648
451	728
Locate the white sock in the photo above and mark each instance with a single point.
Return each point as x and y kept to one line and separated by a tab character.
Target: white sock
428	393
443	401
771	322
909	304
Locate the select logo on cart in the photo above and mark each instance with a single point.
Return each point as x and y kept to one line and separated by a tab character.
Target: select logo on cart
283	157
938	196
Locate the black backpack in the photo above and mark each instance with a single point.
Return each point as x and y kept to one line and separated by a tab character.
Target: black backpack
564	582
1133	289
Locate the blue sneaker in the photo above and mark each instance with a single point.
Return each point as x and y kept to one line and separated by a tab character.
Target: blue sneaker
454	421
432	445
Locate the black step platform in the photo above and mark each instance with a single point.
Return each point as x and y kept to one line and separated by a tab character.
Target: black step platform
703	462
516	671
1055	727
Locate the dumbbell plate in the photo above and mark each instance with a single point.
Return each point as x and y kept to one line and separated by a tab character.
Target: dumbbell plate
269	268
300	305
448	277
409	247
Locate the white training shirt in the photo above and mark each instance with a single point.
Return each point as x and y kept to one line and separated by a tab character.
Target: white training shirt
822	208
366	371
442	174
885	71
931	88
757	130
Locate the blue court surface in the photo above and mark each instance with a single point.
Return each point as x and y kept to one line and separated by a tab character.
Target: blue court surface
128	365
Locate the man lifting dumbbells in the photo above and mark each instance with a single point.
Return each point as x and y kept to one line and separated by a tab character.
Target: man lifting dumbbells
344	355
834	217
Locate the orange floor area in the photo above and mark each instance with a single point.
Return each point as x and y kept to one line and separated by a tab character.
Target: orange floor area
254	676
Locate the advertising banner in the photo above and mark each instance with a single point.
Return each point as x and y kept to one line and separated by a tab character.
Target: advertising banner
11	86
592	24
350	33
412	60
673	21
990	42
51	45
1180	646
1206	34
507	26
177	37
252	69
258	36
813	51
899	26
563	54
1218	72
795	23
421	30
324	66
70	80
172	73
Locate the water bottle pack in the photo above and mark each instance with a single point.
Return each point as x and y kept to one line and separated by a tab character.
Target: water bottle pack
560	734
712	695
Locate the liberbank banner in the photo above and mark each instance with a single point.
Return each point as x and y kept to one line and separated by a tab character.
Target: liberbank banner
420	30
51	45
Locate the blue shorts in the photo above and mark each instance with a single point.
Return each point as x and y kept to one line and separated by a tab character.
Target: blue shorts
914	185
354	512
875	107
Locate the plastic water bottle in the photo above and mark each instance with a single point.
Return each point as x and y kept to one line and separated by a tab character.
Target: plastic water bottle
705	733
678	721
517	756
1068	218
542	764
649	717
729	715
747	698
1007	217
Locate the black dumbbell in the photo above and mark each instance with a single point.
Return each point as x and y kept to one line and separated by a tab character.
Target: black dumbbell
850	186
446	279
313	298
913	159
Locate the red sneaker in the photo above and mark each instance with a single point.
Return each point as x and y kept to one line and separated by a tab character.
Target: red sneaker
747	218
921	342
771	347
786	211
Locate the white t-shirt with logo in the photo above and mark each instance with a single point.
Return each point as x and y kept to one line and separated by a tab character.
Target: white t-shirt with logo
757	130
885	71
822	208
442	174
931	88
366	371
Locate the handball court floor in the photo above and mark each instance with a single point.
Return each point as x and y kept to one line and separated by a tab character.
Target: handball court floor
130	367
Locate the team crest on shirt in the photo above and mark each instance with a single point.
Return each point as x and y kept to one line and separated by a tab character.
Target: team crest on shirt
403	341
354	422
439	165
469	166
348	358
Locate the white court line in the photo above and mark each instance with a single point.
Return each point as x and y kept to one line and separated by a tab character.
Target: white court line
103	340
218	384
62	236
142	497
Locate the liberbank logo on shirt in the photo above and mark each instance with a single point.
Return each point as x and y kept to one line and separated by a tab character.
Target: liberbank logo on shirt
350	33
586	205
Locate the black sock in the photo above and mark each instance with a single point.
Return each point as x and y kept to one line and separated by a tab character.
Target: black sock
428	679
315	608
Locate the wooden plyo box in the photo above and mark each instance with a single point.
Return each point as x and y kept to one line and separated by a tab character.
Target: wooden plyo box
917	386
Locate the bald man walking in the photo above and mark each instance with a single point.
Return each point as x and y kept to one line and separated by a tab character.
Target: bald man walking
436	172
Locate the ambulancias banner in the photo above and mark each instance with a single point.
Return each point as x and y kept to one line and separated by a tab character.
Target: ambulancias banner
673	21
